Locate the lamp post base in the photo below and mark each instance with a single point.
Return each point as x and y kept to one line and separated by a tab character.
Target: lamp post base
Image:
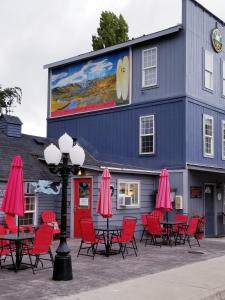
62	268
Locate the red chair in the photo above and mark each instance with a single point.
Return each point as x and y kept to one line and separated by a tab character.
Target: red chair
191	230
11	225
40	248
126	236
145	224
49	218
157	213
156	231
4	247
89	240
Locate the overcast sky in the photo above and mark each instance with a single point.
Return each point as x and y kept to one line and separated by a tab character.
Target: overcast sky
38	32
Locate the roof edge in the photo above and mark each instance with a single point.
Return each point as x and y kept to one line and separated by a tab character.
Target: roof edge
129	43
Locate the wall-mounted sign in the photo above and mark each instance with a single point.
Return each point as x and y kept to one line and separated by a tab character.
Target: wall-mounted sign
47	187
196	192
217	40
95	84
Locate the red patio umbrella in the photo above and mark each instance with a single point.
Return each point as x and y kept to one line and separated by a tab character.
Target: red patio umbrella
104	204
163	197
13	201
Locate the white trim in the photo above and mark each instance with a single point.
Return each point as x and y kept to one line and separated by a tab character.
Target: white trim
222	138
129	181
149	67
223	78
140	135
209	155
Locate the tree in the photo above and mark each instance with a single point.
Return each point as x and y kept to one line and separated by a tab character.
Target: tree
112	30
8	96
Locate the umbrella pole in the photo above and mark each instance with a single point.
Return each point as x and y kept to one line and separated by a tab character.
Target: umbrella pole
18	227
107	245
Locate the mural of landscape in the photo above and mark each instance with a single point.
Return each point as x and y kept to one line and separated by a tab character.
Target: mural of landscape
91	85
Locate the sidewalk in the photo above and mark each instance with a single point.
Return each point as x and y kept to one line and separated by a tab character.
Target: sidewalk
198	281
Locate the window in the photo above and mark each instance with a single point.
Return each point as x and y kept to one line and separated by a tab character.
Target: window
223	84
208	139
149	67
208	72
223	140
147	133
128	193
30	206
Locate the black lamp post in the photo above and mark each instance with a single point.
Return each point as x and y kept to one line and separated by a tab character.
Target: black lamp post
53	156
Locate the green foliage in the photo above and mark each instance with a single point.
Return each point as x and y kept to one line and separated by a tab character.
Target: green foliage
112	30
8	96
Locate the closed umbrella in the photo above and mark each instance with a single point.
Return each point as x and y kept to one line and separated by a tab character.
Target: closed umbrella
13	201
163	197
104	204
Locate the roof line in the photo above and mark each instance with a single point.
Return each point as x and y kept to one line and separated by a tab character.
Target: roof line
129	43
208	11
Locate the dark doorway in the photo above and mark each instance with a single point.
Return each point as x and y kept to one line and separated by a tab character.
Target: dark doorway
209	210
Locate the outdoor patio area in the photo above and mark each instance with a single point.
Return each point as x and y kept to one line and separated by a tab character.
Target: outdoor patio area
91	274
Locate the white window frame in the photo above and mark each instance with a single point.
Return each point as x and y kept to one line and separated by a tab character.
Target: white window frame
223	78
149	67
223	138
210	155
29	193
128	181
208	70
150	134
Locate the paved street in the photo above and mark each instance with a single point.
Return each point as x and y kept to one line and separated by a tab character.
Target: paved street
92	274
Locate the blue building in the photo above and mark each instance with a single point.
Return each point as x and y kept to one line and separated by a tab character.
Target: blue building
153	102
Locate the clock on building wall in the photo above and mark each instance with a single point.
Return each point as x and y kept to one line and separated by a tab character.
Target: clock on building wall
217	40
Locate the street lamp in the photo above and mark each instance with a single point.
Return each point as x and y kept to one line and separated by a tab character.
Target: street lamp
53	156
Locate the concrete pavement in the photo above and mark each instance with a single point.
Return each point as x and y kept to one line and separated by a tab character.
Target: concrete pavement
198	281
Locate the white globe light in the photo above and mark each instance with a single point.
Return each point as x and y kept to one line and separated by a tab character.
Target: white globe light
52	155
77	155
65	143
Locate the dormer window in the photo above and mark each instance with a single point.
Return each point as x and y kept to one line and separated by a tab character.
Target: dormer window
149	67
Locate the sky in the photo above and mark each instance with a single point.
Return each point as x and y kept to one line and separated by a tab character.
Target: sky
34	33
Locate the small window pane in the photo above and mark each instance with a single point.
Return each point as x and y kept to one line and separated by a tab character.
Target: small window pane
208	61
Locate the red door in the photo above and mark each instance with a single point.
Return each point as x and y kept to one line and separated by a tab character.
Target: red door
82	202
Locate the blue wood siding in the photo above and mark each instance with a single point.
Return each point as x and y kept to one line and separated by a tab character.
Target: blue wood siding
194	133
114	134
198	24
170	71
147	187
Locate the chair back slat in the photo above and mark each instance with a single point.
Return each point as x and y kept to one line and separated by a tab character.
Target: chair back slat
87	231
128	229
10	223
48	216
144	219
43	239
192	228
181	218
154	226
157	213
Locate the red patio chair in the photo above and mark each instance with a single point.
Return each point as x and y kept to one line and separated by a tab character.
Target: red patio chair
191	230
11	225
145	224
49	218
180	228
157	213
89	239
126	238
40	248
4	247
156	231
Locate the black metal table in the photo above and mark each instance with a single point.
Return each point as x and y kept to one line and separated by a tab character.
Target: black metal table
107	232
18	240
169	226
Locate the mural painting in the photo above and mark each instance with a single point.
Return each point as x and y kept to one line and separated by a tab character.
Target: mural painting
91	85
